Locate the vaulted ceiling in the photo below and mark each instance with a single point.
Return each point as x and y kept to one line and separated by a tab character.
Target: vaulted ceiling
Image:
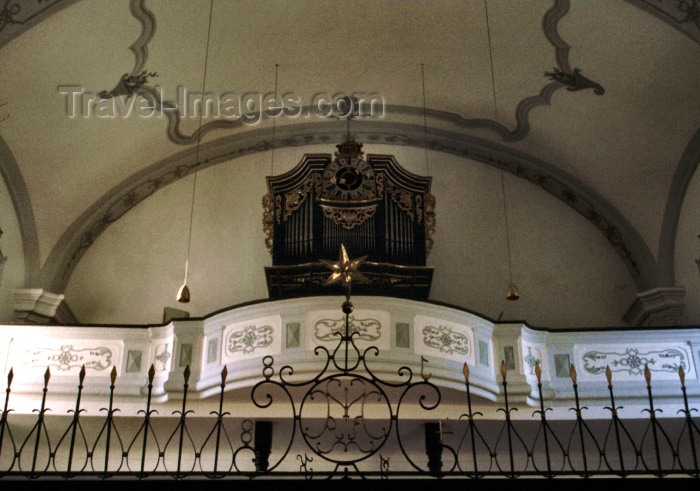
613	132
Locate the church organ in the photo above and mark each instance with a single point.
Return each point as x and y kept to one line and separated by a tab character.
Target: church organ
374	207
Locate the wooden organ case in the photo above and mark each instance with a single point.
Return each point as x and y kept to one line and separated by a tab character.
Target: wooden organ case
373	206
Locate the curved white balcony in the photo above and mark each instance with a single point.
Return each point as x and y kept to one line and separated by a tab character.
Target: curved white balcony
402	330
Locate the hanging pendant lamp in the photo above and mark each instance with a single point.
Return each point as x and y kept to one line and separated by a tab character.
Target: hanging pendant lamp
183	294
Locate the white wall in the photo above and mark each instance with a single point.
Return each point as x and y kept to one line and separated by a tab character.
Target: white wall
688	250
11	246
568	274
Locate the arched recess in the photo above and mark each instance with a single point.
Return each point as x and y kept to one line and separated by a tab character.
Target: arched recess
23	209
111	206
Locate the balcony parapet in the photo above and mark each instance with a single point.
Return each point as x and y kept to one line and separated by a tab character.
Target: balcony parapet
402	330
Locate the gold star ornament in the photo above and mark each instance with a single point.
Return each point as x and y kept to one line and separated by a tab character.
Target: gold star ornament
345	270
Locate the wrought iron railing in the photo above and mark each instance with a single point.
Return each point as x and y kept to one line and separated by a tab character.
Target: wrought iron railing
348	422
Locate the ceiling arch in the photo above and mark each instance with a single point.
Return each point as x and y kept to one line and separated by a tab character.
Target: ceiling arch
687	167
615	159
19	195
110	207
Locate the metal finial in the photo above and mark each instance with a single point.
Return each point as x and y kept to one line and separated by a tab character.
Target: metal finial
224	374
608	374
647	374
538	372
681	375
573	374
187	373
82	374
504	369
47	376
113	375
465	371
151	374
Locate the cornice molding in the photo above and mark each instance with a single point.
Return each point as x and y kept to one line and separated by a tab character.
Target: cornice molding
657	307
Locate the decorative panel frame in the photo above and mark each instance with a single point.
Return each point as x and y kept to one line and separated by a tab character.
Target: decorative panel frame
531	354
252	338
373	328
444	339
627	360
65	356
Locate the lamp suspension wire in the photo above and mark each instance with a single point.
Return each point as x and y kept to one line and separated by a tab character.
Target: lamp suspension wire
493	78
349	116
196	154
505	214
425	118
274	126
512	293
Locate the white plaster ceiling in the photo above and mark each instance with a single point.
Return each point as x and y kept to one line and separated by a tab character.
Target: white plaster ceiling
625	145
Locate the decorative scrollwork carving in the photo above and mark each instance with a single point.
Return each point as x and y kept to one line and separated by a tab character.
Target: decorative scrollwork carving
349	218
268	203
347	413
162	356
402	198
633	361
346	435
575	81
419	208
691	10
446	340
294	199
531	359
128	84
332	329
249	339
67	357
429	222
278	208
19	13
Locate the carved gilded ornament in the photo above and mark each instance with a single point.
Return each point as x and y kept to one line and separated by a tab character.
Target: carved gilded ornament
278	208
349	218
268	203
419	208
429	222
294	199
402	198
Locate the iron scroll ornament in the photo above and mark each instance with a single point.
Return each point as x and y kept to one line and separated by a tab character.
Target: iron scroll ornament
331	416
